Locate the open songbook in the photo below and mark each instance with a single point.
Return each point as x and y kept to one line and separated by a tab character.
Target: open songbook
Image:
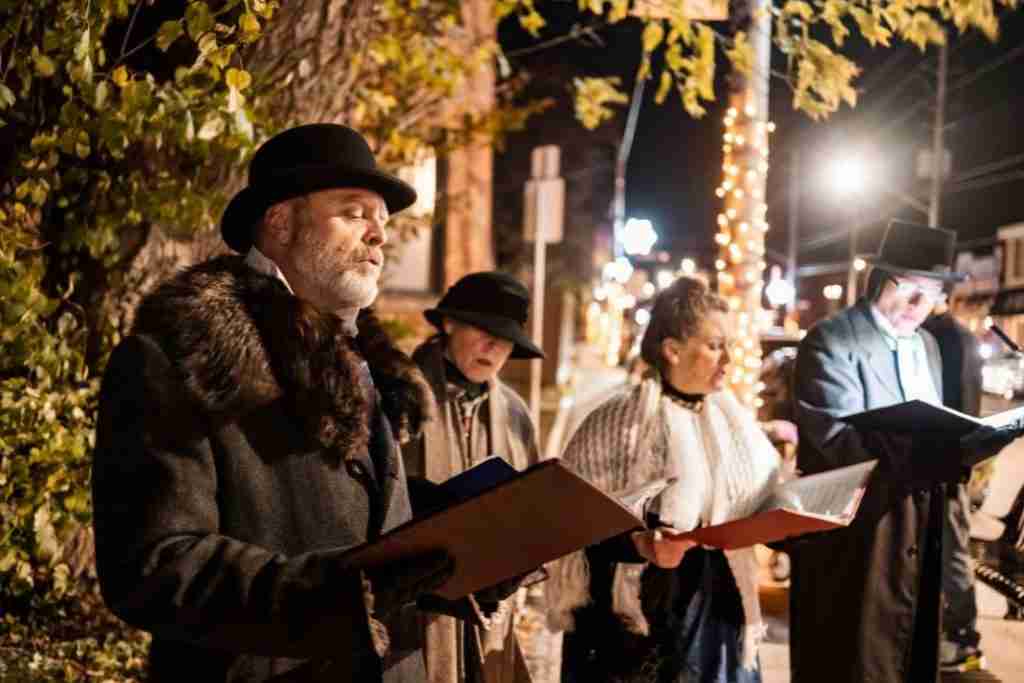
804	505
498	523
922	417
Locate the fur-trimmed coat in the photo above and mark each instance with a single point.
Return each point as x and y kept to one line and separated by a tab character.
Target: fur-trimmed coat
241	450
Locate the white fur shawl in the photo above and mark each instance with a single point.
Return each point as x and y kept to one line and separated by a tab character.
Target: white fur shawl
723	466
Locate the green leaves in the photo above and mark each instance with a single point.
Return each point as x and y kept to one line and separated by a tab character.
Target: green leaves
198	19
169	32
7	98
44	65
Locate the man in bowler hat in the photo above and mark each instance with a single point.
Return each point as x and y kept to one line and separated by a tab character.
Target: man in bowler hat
479	325
248	437
865	600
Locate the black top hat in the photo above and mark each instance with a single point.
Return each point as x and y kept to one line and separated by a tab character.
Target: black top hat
305	159
912	249
494	302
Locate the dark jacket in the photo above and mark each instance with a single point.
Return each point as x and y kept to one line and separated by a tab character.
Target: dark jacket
241	450
863	598
961	363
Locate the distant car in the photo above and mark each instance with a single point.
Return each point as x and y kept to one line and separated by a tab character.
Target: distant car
1003	375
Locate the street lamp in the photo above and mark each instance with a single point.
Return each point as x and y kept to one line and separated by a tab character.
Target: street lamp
638	237
664	278
779	291
618	270
849	176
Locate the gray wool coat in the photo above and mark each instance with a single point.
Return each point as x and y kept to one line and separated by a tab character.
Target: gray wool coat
241	450
864	600
511	435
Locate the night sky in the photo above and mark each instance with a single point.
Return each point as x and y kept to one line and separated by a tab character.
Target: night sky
675	163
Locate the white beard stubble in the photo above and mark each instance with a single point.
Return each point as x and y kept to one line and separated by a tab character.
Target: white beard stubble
340	282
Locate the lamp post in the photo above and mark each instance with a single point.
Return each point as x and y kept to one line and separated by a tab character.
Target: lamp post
848	176
638	237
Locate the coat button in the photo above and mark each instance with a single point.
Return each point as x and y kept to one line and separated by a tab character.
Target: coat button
912	551
355	469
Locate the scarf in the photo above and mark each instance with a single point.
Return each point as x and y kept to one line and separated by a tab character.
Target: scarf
723	468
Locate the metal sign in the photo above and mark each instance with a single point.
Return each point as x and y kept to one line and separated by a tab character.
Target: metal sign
698	10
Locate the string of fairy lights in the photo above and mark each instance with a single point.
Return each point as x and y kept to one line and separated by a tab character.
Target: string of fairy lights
742	225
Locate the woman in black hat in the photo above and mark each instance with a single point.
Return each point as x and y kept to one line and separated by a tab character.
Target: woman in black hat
480	326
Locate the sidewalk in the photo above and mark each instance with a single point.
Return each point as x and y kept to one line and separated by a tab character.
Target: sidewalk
593	382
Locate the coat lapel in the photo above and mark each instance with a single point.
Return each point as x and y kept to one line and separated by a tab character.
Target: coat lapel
877	354
934	361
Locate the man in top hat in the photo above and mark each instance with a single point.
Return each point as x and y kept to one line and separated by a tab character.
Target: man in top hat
247	438
865	600
479	325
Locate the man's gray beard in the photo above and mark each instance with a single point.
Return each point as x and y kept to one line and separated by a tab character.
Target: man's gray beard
357	291
345	291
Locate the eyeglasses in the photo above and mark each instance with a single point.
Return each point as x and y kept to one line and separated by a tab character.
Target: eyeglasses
912	290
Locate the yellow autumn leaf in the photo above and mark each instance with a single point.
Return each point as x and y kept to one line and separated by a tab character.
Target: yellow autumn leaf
652	36
44	66
120	76
798	8
663	86
239	79
249	26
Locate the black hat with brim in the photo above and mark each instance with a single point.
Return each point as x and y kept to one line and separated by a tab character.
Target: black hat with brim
302	160
913	249
495	302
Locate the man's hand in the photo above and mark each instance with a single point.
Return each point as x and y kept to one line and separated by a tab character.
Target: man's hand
985	442
664	547
401	583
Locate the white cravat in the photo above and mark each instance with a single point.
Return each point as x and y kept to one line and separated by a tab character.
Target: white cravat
911	362
256	260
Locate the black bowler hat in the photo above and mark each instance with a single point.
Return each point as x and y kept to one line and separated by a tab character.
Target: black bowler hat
495	302
912	249
300	160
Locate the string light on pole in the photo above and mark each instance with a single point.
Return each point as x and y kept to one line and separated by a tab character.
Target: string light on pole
742	225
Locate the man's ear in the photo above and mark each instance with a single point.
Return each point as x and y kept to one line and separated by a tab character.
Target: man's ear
448	325
276	227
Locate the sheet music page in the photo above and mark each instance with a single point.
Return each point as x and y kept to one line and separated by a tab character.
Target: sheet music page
1004	418
834	494
636	499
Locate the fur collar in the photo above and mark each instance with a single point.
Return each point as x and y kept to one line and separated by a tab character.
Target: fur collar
240	340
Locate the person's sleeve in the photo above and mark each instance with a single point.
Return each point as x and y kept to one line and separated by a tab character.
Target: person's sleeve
829	387
616	549
163	564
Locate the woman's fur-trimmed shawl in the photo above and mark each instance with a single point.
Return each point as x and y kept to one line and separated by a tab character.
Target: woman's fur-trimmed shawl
238	340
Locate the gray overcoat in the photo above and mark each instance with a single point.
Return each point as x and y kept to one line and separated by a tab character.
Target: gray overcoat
862	596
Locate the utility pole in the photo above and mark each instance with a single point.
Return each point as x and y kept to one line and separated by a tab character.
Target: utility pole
544	215
794	222
851	272
938	149
621	160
